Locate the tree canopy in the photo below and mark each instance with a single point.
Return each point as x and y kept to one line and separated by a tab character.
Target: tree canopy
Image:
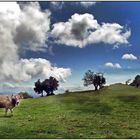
48	85
97	79
136	81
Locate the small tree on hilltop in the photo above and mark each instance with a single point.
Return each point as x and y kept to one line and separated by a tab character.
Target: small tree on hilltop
48	85
136	81
96	79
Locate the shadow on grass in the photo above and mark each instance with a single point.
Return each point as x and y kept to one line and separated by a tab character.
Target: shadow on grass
96	107
86	105
8	116
129	98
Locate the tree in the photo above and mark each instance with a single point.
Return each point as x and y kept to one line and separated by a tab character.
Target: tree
25	95
67	91
136	81
96	79
127	82
38	87
48	85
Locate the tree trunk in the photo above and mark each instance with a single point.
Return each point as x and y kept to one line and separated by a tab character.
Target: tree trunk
96	88
100	86
42	94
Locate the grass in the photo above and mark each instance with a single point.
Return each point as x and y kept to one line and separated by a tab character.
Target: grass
112	112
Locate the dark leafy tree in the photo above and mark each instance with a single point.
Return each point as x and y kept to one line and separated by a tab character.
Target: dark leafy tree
67	91
38	87
136	81
96	79
48	85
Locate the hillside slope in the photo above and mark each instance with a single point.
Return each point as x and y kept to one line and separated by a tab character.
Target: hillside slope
112	112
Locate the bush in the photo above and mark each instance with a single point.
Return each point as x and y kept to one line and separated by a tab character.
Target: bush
25	95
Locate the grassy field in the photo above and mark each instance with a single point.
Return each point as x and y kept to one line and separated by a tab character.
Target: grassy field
113	112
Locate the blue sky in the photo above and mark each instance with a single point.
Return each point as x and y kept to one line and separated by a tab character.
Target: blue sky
101	36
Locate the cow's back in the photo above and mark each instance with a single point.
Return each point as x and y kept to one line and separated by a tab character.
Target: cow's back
4	99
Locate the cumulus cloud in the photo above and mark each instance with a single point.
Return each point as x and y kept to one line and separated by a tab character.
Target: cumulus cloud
26	69
129	57
33	27
25	26
111	65
83	29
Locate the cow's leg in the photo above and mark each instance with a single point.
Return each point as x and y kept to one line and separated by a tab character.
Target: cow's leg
11	111
6	110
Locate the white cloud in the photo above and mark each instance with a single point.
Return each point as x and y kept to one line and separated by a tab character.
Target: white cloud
83	29
75	87
119	78
111	33
27	24
72	33
60	4
87	3
32	30
57	4
129	57
26	27
111	65
26	69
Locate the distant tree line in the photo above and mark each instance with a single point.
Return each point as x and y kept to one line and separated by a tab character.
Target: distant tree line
90	78
51	84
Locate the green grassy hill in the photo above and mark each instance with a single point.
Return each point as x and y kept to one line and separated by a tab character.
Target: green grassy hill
113	112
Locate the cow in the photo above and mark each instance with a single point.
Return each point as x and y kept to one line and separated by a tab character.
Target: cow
9	102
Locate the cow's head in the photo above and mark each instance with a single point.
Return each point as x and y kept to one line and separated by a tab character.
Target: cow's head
16	99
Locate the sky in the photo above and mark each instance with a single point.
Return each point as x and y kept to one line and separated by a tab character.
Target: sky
64	40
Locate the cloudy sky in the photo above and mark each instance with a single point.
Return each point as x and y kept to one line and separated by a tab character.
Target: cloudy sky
64	40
